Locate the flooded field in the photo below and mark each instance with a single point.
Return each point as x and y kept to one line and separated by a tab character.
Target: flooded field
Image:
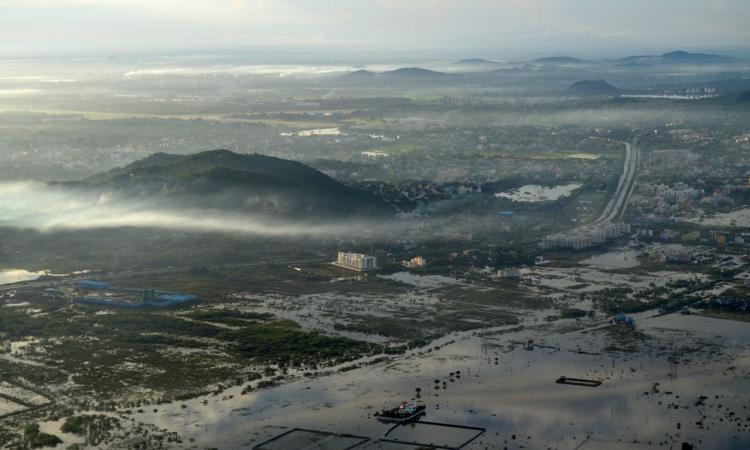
478	351
423	281
315	132
406	306
738	218
534	193
588	279
621	259
655	394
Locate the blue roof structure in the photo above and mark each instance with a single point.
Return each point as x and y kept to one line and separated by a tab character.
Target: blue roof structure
92	285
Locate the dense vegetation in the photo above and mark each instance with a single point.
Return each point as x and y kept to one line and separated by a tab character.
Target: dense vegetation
34	438
221	179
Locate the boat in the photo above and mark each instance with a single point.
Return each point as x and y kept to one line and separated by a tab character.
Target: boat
404	413
578	381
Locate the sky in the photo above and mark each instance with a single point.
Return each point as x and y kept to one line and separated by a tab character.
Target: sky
121	27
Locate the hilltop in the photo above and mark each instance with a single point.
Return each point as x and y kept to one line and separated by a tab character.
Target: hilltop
245	182
594	87
362	73
413	72
401	75
676	57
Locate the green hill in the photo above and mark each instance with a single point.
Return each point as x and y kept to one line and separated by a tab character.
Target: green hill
220	179
594	87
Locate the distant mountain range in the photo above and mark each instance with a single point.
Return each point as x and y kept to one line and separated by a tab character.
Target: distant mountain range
676	57
594	87
560	60
402	74
221	179
480	70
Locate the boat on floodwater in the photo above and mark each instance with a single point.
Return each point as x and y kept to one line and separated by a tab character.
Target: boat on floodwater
578	381
404	413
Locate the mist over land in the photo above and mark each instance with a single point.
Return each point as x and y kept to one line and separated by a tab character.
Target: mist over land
285	225
47	209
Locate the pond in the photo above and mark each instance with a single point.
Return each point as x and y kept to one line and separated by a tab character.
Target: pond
738	218
534	193
621	259
422	281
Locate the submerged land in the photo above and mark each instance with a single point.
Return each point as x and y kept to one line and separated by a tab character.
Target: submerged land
166	242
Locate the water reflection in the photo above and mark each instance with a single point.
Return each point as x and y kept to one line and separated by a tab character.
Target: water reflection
622	259
534	193
510	389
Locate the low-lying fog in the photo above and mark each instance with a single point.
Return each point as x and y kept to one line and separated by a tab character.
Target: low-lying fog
49	208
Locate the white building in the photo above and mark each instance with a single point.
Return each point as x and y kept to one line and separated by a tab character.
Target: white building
415	263
356	261
586	236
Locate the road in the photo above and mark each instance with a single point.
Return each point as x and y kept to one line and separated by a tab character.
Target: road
36	284
616	206
636	160
609	221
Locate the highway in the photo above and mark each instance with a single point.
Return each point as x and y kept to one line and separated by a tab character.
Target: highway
47	283
609	221
616	206
632	183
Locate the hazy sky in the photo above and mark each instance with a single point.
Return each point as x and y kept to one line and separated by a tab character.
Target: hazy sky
41	27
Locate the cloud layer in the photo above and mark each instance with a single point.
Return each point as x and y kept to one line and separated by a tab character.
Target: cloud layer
111	26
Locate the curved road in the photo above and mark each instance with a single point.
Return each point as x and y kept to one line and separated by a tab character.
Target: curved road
613	212
616	206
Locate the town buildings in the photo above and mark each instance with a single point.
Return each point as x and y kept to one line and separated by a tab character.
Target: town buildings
415	263
356	261
586	236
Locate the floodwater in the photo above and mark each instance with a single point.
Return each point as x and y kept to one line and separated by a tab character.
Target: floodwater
8	276
582	156
509	388
582	279
668	96
423	281
621	259
315	132
534	193
739	218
